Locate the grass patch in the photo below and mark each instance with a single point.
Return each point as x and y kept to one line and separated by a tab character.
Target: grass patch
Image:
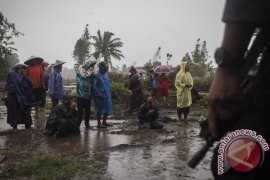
49	167
200	113
8	151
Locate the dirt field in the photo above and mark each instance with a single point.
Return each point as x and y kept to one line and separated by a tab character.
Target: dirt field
118	152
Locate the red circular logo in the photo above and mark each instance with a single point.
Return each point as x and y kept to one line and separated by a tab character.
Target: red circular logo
244	154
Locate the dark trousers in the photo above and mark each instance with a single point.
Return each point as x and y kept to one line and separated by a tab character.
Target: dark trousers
42	104
54	103
84	106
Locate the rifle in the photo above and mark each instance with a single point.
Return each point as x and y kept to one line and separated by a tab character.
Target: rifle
253	58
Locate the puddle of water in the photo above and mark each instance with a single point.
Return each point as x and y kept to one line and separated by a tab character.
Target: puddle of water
162	161
3	119
3	141
125	151
155	162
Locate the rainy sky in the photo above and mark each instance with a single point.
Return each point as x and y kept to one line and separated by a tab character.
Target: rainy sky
52	27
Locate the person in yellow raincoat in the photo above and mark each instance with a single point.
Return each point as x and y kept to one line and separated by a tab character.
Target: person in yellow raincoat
183	84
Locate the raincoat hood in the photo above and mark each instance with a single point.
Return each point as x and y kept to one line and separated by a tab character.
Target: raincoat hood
66	99
183	66
103	67
87	69
18	66
133	70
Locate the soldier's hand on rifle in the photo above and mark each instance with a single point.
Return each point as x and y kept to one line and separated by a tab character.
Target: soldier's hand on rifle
224	94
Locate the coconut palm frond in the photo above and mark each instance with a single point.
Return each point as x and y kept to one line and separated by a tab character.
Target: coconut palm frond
107	46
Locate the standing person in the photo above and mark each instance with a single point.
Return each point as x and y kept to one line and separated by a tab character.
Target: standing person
102	95
19	97
55	83
28	99
84	79
45	81
135	89
35	74
241	18
183	84
148	115
154	83
164	84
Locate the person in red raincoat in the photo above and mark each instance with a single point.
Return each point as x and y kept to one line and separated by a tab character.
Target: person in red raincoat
164	84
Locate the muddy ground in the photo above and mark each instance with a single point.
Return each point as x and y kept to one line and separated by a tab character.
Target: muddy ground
119	152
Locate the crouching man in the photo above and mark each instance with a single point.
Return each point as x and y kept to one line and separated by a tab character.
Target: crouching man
63	118
148	115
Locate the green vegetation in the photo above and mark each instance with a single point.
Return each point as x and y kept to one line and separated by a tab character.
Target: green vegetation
8	151
49	167
203	101
119	84
118	89
7	57
199	66
82	49
200	113
107	47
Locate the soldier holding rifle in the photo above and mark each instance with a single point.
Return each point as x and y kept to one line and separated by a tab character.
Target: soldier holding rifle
242	17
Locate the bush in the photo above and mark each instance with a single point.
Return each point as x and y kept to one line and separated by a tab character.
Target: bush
118	78
118	89
202	84
203	101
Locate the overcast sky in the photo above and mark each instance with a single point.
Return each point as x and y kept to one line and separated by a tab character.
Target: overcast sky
52	27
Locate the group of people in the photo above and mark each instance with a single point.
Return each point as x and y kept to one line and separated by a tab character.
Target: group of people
65	118
26	88
147	111
27	85
159	85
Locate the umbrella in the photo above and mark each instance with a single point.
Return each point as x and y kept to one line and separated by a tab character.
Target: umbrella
45	64
141	71
163	69
33	60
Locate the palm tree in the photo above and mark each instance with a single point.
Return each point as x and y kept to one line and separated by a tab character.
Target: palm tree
108	47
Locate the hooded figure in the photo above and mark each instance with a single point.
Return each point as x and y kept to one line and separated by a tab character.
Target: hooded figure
63	118
183	84
55	83
102	95
20	98
153	77
135	89
84	81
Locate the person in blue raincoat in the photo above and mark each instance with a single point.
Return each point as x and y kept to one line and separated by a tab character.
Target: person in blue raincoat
102	95
20	97
55	83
